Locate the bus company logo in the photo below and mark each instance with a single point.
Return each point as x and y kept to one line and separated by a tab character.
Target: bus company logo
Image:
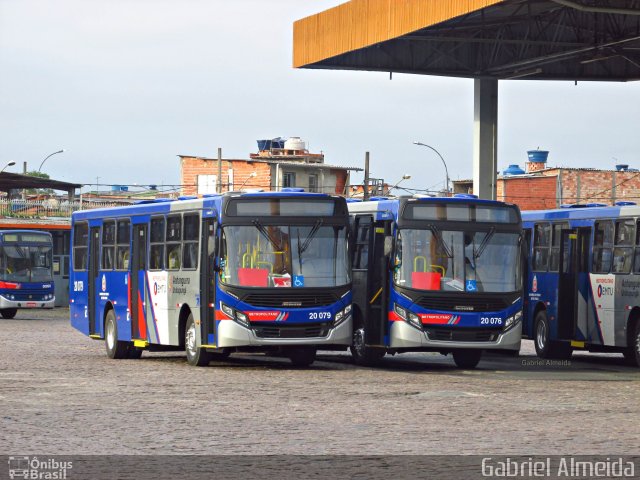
534	284
104	283
159	288
604	291
34	468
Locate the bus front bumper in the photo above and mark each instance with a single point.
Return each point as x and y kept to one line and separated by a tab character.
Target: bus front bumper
231	334
404	336
7	303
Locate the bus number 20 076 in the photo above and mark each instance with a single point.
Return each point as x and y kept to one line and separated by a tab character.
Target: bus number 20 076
490	321
319	315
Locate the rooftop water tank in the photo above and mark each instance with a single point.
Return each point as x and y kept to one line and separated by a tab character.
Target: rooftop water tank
513	170
295	143
538	155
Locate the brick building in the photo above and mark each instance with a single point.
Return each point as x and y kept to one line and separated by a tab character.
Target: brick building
277	164
540	187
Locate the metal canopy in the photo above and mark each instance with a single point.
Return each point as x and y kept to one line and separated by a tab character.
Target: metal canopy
511	39
10	181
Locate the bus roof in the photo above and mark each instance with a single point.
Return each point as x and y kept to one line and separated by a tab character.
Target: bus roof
581	213
164	206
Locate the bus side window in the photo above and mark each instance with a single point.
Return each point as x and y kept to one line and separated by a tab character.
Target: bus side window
80	246
602	243
156	242
174	245
363	231
108	244
623	250
541	244
190	236
123	237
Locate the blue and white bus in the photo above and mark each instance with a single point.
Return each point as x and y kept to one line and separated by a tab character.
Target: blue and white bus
436	274
242	271
583	283
25	271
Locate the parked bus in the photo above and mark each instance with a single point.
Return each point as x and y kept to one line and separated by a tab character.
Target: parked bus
25	271
436	274
583	283
253	271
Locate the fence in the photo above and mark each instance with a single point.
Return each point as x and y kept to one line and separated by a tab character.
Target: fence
49	208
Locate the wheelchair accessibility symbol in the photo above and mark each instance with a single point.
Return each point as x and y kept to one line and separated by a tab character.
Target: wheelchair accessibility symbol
298	280
471	286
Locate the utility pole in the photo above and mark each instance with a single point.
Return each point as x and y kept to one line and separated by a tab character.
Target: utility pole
219	190
366	176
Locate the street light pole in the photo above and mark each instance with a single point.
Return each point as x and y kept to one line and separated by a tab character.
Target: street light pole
51	155
10	164
406	176
446	170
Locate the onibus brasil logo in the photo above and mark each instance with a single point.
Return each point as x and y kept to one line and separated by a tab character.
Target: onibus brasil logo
35	468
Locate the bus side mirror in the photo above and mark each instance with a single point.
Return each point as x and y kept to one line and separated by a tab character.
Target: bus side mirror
388	245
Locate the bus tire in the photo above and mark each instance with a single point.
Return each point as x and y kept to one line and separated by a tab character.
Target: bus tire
116	349
467	357
198	357
545	347
632	354
302	356
363	355
8	312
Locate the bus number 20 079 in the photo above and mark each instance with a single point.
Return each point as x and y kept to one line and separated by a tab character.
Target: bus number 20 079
319	315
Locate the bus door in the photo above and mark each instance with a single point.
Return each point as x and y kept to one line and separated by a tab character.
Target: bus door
567	284
207	281
377	321
583	282
94	271
138	282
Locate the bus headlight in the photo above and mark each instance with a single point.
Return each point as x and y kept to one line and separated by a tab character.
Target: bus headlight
242	318
236	315
342	315
409	317
513	320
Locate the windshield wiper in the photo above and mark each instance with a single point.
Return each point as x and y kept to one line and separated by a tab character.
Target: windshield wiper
265	233
307	241
484	243
445	247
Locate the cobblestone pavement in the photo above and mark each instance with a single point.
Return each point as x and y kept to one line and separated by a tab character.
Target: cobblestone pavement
60	394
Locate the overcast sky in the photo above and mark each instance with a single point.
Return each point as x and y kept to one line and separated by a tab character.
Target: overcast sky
126	85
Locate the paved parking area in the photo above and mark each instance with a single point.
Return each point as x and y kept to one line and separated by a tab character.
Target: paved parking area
60	394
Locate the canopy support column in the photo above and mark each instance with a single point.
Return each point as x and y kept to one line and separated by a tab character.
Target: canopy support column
485	137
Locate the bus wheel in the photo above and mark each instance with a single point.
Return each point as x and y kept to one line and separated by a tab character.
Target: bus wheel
467	358
545	347
8	312
302	356
362	354
116	349
198	357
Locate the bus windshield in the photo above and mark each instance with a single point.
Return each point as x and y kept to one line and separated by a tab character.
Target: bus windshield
285	256
452	260
23	263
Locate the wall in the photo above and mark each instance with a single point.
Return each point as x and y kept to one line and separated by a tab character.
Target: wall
601	186
329	180
529	193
